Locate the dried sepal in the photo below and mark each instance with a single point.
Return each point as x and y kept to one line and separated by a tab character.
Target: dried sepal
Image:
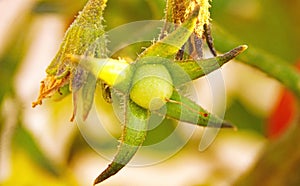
83	32
49	87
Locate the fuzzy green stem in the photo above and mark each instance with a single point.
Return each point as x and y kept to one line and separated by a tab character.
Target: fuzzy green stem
271	65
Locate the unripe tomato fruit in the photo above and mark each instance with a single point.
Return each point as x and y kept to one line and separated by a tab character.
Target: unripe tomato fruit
151	86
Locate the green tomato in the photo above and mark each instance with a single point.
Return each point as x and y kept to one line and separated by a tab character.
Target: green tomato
151	87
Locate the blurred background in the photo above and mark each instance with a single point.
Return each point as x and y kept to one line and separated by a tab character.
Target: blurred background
41	147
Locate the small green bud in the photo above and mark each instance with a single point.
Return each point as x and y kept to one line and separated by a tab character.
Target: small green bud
151	86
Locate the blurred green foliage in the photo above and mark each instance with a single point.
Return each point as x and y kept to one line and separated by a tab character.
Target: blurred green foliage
272	26
237	113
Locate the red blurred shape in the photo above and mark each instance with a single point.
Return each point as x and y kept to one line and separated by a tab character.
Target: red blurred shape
283	114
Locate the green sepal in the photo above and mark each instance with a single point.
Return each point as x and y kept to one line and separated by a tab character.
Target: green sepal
88	92
169	46
133	136
84	31
199	68
183	109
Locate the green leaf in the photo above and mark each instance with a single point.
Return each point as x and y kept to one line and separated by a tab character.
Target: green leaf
133	136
